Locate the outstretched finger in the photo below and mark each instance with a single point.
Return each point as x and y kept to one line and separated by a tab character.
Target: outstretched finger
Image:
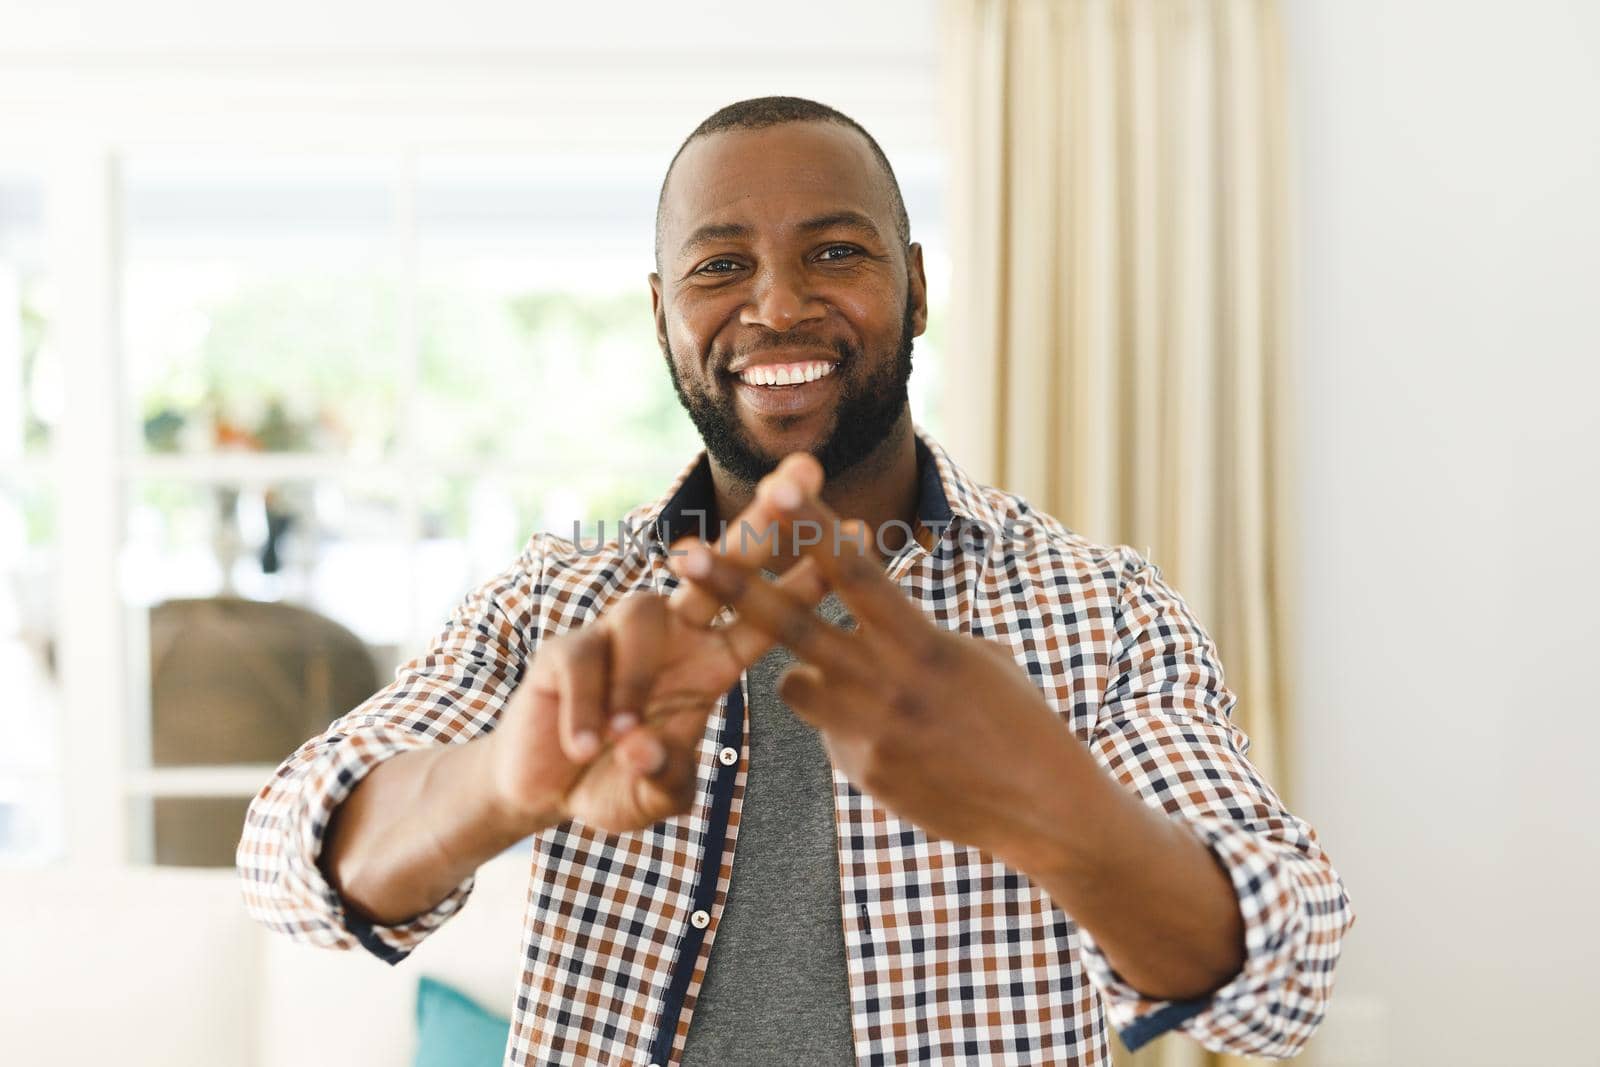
764	609
801	584
751	538
850	564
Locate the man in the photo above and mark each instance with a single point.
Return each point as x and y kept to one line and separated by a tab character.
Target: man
939	779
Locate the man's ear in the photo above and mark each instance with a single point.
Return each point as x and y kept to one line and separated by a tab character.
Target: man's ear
658	308
917	281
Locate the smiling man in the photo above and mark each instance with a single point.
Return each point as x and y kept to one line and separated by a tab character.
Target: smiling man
844	758
787	296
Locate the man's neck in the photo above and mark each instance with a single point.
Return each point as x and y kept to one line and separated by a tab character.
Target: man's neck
881	489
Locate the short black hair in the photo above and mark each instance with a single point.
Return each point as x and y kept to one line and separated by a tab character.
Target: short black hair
758	113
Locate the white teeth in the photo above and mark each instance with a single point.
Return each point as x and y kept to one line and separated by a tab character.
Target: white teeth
787	374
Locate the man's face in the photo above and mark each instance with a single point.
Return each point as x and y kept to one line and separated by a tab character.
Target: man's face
780	259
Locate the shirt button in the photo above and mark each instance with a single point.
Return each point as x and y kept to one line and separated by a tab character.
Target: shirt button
701	919
728	756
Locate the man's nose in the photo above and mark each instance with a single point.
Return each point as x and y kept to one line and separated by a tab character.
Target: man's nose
781	299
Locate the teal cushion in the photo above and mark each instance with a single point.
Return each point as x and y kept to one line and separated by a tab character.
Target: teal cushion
454	1031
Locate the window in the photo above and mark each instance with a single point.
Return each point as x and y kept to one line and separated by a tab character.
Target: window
349	396
30	397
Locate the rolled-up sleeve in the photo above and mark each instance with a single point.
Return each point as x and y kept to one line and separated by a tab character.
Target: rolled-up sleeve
450	694
1166	732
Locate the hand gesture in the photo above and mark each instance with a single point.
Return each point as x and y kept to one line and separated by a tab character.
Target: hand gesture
604	726
935	725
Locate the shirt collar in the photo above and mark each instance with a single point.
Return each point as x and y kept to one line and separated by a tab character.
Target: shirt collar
946	494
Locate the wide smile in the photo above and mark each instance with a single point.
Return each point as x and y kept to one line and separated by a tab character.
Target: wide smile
781	374
786	388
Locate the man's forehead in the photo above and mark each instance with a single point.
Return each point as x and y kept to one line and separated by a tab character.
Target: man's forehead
779	174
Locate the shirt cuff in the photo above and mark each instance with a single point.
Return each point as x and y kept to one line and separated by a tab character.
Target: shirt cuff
328	780
1269	905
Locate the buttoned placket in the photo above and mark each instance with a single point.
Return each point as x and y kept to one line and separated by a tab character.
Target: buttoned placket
732	739
692	941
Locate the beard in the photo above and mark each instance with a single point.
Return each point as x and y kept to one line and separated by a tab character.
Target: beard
867	411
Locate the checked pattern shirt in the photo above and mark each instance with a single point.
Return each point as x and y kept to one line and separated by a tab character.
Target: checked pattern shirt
952	957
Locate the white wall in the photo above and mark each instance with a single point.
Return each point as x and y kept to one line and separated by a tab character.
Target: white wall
143	968
597	75
1449	324
162	968
821	30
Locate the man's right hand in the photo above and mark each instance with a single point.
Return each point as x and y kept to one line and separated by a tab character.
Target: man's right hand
422	821
604	726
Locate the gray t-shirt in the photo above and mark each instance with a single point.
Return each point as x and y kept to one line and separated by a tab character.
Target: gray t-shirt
776	989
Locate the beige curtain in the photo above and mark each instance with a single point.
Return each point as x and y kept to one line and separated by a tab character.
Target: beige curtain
1119	290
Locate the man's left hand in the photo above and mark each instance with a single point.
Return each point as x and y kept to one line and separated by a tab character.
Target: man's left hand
944	729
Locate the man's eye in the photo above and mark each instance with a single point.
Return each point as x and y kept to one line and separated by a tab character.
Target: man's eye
837	253
719	266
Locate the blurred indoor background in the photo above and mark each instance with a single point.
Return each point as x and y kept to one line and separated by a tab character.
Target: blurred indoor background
302	305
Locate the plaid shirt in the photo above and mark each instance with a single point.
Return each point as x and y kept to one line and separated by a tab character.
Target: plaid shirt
951	956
